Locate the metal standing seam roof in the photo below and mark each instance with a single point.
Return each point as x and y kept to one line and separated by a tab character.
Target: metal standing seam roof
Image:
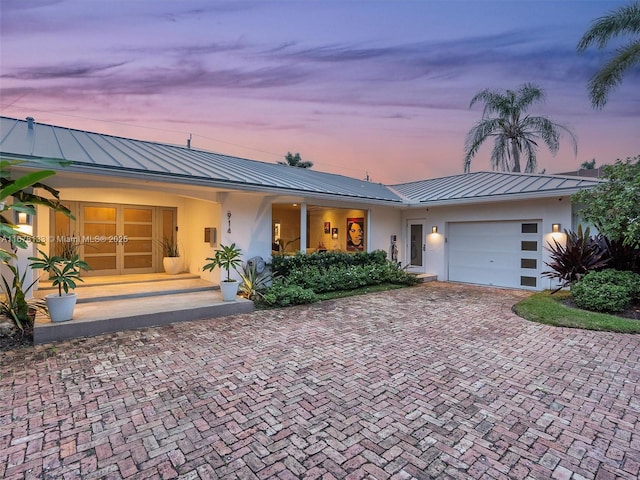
89	150
494	185
136	158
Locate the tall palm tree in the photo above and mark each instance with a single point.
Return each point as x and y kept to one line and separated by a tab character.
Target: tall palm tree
514	130
295	161
624	20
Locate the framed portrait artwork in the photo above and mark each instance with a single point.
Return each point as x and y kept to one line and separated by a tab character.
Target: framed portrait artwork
327	227
355	234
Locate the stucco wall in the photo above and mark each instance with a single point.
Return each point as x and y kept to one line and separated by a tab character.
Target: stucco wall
549	211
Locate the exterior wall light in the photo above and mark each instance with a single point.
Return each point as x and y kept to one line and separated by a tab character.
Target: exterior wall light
23	219
434	229
555	228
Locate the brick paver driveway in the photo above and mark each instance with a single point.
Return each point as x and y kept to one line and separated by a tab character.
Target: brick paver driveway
440	381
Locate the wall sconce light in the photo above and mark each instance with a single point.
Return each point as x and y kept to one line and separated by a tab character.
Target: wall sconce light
434	229
555	227
229	220
23	219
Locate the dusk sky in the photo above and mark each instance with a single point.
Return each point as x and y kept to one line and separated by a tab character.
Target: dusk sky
354	86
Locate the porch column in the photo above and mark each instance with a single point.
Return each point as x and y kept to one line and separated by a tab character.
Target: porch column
303	227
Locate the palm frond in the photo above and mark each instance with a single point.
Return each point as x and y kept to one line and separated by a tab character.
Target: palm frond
476	137
527	95
625	19
530	151
499	156
612	72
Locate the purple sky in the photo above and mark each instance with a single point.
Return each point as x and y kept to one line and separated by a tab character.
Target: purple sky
355	86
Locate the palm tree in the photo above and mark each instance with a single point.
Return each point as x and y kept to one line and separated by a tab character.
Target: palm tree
624	20
295	161
514	130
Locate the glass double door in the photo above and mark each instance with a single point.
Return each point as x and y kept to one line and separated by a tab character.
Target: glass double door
117	239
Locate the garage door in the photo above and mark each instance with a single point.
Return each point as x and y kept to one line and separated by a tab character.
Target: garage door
503	254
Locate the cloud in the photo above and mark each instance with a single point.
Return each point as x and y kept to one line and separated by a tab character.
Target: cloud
61	71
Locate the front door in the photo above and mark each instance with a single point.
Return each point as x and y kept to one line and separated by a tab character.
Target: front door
117	239
416	246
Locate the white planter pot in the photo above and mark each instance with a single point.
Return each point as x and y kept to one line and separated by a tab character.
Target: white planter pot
61	307
172	265
229	290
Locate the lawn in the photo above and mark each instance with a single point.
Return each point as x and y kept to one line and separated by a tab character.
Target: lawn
543	307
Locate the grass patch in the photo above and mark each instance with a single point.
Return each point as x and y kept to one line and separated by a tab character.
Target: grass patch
542	307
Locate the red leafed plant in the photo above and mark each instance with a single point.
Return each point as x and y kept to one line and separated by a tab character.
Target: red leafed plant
580	255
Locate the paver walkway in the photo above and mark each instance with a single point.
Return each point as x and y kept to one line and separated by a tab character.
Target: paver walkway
436	381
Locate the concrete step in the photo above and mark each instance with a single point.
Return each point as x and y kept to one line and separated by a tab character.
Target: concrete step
107	306
96	318
97	289
426	277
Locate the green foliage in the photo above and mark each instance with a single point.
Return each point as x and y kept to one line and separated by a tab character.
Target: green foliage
254	284
15	305
516	134
624	20
22	200
333	271
606	291
295	161
170	247
282	265
543	307
63	272
281	295
227	257
580	255
614	206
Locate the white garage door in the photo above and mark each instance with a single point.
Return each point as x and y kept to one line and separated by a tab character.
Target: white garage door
504	254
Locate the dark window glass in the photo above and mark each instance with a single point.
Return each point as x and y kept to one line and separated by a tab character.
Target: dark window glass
528	281
529	246
528	263
529	228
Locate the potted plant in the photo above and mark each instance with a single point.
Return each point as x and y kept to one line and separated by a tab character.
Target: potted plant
227	257
64	274
171	260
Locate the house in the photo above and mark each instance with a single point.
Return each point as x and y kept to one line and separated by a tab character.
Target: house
485	228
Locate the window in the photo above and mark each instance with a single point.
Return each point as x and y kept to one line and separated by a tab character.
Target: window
528	281
528	263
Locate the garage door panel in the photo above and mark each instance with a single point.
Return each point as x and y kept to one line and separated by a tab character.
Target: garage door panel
492	253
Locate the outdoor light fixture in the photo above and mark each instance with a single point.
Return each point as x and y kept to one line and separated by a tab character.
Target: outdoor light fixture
555	228
23	218
434	229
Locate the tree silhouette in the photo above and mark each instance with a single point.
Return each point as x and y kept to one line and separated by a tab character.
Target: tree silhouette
295	161
515	132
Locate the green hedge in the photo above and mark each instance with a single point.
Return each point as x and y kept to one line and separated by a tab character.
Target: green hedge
283	265
607	291
329	272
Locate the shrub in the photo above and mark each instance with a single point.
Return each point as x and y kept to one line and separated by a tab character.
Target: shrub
282	265
580	255
623	257
606	291
280	295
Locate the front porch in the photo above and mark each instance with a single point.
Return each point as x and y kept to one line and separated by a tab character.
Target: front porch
123	302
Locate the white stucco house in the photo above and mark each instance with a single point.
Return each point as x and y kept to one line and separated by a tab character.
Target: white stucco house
483	228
